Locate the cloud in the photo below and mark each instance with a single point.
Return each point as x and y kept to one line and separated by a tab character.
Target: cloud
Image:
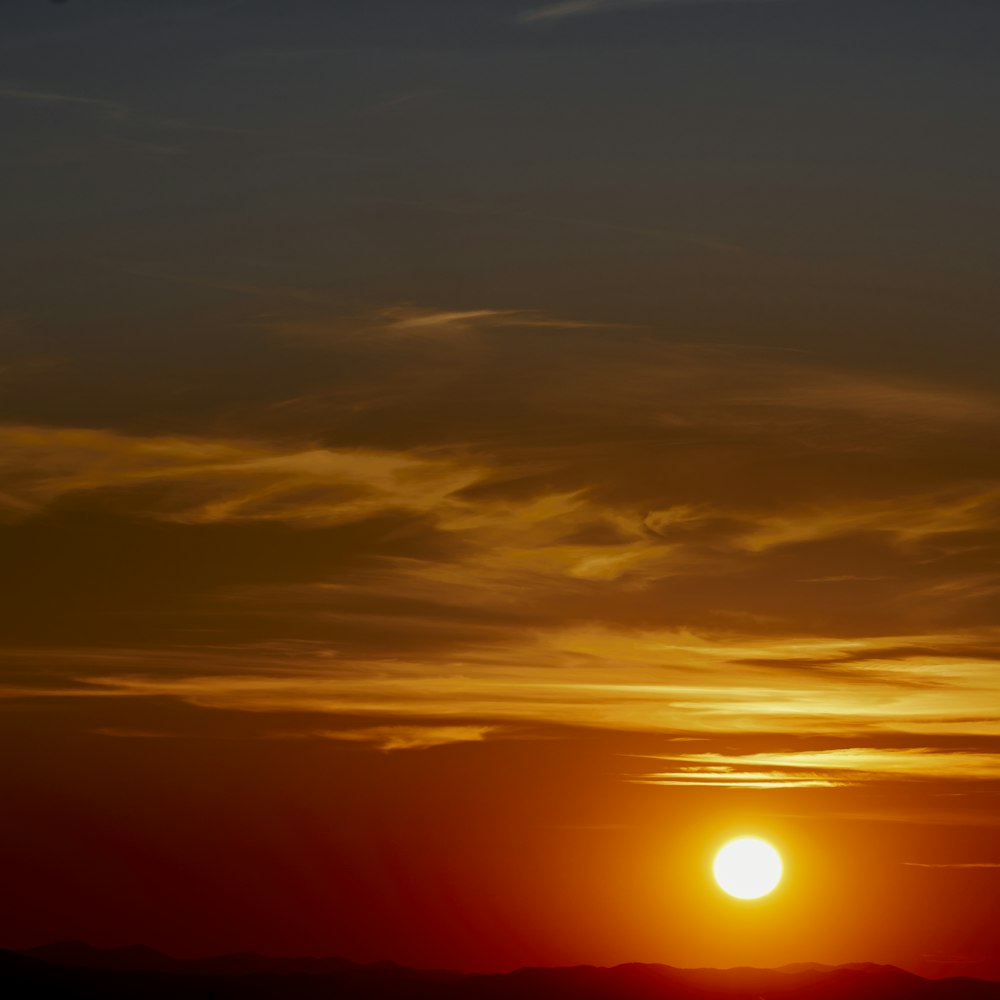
601	679
953	864
123	115
425	321
405	737
132	734
437	532
199	481
110	108
824	768
870	397
400	323
574	8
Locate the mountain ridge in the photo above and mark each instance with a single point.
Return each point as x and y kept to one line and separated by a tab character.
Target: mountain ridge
73	969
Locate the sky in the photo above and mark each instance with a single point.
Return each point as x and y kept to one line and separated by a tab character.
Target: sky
461	463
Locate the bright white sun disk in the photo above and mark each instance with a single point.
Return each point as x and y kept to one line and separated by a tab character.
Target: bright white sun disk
747	868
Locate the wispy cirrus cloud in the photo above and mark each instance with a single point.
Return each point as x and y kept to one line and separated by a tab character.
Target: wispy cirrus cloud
111	108
575	8
123	733
401	737
953	864
657	683
823	768
665	539
119	112
200	480
422	323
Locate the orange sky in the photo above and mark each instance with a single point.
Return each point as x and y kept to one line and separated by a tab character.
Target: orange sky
496	698
420	546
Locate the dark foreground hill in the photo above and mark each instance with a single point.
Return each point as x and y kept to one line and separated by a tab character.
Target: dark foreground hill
74	970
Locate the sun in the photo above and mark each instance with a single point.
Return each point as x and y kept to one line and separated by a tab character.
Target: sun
747	868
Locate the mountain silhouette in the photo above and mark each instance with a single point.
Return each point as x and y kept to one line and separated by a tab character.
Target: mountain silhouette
138	958
77	971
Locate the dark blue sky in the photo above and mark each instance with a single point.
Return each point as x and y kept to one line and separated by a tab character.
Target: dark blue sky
785	172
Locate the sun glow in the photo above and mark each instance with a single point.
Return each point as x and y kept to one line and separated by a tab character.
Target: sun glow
747	868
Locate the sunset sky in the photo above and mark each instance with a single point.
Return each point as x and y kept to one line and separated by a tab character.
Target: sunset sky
462	461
